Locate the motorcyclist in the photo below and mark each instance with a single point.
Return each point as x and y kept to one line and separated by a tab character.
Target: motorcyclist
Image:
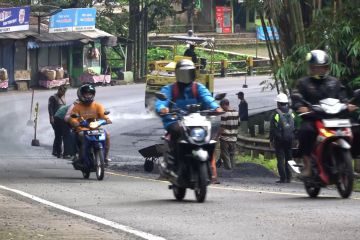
88	109
319	85
182	93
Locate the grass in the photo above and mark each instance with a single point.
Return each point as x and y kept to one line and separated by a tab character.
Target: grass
357	185
270	164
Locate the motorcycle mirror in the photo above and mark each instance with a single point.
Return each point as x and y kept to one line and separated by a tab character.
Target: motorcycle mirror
75	115
220	96
106	112
356	95
299	98
161	96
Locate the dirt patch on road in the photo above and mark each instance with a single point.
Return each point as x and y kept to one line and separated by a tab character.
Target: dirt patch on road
243	170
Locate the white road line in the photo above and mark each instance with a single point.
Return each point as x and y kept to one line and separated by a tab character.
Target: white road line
224	188
100	220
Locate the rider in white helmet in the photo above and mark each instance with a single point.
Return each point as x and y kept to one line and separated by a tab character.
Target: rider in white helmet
282	136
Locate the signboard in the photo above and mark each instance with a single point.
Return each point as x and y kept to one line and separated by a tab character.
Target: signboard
223	19
72	20
14	19
261	35
85	19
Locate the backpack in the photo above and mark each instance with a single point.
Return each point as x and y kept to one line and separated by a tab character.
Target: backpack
286	125
176	91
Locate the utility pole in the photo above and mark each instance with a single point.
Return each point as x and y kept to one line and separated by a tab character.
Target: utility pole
132	63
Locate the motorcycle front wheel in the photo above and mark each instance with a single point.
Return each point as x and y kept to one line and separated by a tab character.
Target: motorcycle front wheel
200	190
86	174
345	181
179	192
99	164
312	191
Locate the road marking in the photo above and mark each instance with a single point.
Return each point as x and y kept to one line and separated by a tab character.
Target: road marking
100	220
222	188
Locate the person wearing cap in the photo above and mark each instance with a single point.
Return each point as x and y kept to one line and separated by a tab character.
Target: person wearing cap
190	52
228	134
318	85
282	136
243	113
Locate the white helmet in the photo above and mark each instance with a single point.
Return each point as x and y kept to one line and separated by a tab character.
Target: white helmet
282	98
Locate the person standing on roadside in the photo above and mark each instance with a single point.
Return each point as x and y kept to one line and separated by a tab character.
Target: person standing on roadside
282	136
55	102
243	113
228	134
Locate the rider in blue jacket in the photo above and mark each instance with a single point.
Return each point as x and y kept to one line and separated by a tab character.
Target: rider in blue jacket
183	92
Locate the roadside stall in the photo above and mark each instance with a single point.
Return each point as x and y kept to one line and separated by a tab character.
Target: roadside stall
4	80
53	77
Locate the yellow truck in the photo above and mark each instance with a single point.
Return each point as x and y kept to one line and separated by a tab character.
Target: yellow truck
162	72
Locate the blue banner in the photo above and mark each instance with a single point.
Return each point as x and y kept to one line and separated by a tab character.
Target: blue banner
14	19
63	21
261	35
75	19
85	19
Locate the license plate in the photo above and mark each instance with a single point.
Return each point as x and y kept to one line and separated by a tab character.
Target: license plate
94	132
337	123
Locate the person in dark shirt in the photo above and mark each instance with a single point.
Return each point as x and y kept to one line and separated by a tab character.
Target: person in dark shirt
190	52
55	102
243	113
319	85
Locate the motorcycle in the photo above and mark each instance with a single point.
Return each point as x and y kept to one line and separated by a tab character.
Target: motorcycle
193	151
331	156
94	140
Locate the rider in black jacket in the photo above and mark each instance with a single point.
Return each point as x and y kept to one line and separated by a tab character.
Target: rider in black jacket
319	85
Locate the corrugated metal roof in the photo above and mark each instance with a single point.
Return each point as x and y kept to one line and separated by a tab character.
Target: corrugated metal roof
55	39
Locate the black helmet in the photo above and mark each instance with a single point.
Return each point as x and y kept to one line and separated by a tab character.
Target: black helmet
319	64
318	58
87	88
185	71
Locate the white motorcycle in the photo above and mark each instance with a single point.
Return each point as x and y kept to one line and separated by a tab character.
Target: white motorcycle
190	158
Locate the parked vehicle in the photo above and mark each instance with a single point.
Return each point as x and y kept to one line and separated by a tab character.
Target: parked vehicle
94	157
162	72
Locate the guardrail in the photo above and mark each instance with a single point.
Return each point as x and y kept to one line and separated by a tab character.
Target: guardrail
255	146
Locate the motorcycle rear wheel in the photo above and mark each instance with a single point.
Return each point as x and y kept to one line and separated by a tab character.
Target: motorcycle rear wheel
201	189
179	192
312	191
100	164
346	175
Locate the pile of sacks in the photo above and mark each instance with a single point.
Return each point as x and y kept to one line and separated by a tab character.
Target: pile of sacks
3	74
52	73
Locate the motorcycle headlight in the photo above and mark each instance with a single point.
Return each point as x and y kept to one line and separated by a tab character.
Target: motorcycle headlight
198	134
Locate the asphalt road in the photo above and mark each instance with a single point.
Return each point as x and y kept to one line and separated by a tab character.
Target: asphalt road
241	208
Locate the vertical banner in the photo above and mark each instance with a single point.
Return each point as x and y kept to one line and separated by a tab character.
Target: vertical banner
223	19
14	19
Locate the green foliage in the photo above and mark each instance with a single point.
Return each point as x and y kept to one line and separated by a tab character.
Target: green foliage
357	185
158	53
270	164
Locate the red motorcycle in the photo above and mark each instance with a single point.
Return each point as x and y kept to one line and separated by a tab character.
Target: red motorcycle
331	156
